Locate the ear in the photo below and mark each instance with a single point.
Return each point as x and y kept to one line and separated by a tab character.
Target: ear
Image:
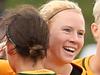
10	49
95	29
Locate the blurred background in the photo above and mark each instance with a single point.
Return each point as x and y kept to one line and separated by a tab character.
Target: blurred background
86	5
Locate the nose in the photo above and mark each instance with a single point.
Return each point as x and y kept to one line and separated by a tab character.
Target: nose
74	38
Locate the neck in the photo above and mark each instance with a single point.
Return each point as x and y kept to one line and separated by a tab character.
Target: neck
28	65
60	69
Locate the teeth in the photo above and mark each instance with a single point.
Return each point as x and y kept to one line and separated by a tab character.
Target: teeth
72	49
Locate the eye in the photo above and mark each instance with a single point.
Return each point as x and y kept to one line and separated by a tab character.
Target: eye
81	33
67	30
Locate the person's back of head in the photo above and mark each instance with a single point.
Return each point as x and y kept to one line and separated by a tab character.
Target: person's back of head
27	31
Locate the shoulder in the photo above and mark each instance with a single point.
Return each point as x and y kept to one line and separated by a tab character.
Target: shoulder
78	61
3	63
5	68
82	61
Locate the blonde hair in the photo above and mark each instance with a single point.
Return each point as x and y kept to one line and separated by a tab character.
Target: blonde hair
53	7
96	11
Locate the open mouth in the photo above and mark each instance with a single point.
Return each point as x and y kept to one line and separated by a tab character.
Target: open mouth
69	49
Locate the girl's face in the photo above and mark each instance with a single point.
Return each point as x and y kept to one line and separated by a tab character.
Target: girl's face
67	29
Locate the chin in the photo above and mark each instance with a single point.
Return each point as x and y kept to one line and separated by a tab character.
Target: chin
69	60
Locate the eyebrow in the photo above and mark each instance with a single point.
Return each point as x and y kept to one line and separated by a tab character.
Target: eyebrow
72	28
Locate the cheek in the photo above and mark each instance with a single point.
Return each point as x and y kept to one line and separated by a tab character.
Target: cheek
55	43
98	36
57	39
81	43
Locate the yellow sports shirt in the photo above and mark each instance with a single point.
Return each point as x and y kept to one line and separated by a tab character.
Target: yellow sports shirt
38	72
5	68
84	62
77	70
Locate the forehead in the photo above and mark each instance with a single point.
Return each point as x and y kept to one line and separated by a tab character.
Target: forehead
70	16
